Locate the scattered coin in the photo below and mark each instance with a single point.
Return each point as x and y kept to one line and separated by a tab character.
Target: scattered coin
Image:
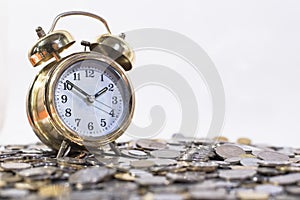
180	168
243	140
269	189
249	162
142	163
252	195
155	180
14	166
229	150
285	179
272	156
54	191
237	174
89	175
294	190
165	153
150	144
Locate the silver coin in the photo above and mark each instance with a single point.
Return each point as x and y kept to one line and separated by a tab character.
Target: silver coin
233	160
150	144
154	180
186	177
165	153
218	194
272	156
229	150
13	193
249	162
15	165
285	179
38	171
163	162
137	153
140	173
167	196
237	174
270	189
142	163
294	190
89	175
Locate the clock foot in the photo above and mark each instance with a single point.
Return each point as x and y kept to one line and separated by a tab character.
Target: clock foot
63	150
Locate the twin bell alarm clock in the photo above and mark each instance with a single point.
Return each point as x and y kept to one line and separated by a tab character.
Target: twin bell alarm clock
82	100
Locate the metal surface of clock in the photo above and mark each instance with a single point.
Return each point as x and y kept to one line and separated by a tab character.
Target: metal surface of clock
84	99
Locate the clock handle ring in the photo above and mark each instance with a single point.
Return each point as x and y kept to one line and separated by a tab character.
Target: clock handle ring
82	13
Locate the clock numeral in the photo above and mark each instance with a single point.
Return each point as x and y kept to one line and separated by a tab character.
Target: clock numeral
76	76
91	126
102	123
112	113
77	121
68	86
111	87
102	78
89	73
68	112
64	98
114	100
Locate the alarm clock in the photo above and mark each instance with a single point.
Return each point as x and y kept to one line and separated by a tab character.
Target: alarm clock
84	99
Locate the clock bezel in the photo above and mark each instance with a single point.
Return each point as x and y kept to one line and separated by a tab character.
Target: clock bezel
58	123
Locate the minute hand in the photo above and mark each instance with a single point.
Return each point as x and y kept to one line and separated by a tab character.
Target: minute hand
101	92
78	88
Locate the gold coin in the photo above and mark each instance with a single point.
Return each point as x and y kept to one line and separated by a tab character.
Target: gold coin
245	141
252	195
2	183
54	191
124	177
221	139
247	156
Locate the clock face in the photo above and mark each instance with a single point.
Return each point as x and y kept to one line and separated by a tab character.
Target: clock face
91	98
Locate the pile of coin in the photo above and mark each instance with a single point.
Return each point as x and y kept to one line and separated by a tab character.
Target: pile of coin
178	168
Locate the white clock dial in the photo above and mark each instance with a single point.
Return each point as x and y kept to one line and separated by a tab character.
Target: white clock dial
91	98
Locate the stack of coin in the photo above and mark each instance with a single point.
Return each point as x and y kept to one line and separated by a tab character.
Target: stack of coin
178	168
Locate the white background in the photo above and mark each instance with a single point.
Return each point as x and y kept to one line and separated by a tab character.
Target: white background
255	45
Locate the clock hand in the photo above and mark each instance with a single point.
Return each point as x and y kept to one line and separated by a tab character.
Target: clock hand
102	91
108	112
103	107
104	104
78	88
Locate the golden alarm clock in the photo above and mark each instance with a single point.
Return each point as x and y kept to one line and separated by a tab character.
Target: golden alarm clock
84	99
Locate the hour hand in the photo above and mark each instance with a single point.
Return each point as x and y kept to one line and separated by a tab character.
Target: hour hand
102	91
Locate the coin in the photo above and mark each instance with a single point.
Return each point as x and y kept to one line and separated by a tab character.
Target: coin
155	180
285	179
228	151
89	175
218	194
37	171
165	153
13	193
249	162
269	189
272	156
252	195
294	190
54	191
14	165
142	163
180	168
137	153
244	140
237	174
150	144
